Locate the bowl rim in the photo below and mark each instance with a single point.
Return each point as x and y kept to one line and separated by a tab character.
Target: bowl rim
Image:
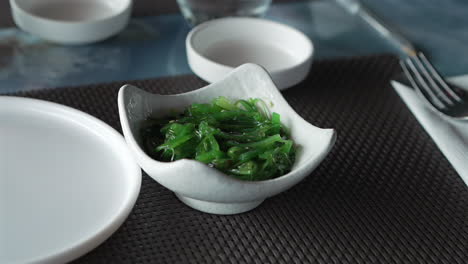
127	5
290	112
189	40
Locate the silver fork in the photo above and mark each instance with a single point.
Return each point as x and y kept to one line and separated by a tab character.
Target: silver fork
440	95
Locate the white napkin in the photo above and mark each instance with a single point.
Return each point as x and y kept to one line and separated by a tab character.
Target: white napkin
450	136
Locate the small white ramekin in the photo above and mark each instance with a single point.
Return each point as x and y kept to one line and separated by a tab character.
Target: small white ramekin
216	47
71	21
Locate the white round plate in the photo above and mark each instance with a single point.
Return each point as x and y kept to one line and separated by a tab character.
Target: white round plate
67	181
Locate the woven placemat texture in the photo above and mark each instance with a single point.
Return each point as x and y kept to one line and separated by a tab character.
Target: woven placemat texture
385	194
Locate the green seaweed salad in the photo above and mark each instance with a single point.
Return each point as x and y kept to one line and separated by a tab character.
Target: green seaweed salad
239	138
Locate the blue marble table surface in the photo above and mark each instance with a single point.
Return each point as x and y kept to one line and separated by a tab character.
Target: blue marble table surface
155	46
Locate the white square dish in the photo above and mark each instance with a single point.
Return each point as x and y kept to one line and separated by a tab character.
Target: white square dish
205	188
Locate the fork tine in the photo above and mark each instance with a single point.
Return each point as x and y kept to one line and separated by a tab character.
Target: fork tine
430	80
414	77
439	79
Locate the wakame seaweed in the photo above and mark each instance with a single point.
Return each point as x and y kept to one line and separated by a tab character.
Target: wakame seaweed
239	138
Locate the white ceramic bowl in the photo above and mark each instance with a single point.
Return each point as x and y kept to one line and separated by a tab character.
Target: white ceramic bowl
205	188
216	47
71	21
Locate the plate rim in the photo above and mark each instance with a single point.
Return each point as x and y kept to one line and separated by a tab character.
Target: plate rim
86	243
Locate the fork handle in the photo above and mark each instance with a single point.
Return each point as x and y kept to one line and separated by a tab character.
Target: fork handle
356	8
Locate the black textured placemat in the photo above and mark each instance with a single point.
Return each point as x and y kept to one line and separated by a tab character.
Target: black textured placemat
385	194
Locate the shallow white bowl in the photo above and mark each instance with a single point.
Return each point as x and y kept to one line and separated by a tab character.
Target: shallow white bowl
71	21
216	47
205	188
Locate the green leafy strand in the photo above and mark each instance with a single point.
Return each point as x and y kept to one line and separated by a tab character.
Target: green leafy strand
238	138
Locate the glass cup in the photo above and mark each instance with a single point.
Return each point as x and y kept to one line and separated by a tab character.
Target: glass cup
199	11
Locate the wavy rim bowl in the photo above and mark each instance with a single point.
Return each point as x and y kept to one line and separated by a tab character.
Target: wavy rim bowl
99	20
214	47
207	189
